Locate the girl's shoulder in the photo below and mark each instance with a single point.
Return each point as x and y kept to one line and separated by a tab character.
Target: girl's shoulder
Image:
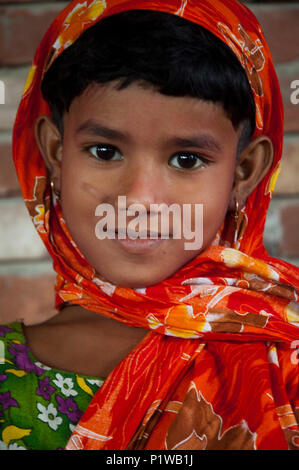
16	357
39	405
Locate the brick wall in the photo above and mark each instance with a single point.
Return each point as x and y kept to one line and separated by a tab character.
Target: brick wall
25	267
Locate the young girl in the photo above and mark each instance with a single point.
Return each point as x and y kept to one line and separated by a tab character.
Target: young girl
154	346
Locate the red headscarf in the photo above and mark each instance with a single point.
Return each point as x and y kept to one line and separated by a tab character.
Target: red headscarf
218	368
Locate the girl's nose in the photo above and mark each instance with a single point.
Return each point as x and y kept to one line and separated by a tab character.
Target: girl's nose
143	185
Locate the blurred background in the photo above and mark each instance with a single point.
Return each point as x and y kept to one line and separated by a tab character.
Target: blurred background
25	266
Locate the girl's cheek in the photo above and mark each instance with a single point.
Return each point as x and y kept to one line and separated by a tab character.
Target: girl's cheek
91	189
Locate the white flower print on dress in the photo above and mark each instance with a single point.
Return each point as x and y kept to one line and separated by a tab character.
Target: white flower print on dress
13	446
97	382
42	366
66	386
49	415
72	427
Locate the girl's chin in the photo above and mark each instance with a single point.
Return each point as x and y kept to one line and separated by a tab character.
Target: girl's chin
133	278
139	263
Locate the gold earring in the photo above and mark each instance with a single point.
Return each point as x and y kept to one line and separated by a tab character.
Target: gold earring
55	193
236	217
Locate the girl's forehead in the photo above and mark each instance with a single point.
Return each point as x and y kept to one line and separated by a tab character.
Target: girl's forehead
134	108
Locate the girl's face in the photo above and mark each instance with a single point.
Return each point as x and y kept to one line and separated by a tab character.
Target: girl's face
152	149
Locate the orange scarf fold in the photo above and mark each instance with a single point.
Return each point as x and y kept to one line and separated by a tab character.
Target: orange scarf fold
218	368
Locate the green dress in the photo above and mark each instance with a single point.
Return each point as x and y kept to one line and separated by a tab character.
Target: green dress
39	405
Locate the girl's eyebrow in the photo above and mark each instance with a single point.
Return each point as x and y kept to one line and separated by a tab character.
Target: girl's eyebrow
95	129
203	141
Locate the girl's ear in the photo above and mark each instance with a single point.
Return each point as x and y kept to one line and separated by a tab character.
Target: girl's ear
251	167
49	142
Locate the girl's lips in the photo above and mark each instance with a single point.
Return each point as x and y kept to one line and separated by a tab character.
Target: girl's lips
139	245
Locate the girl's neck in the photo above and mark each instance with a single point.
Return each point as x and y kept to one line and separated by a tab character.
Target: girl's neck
81	341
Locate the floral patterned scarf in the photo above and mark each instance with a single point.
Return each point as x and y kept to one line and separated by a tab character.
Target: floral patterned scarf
218	368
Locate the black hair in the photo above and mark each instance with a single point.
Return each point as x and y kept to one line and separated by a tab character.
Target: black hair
177	57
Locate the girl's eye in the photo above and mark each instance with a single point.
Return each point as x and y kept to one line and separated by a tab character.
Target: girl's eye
105	152
188	161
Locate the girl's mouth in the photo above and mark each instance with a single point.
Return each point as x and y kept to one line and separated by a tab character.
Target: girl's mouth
140	245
